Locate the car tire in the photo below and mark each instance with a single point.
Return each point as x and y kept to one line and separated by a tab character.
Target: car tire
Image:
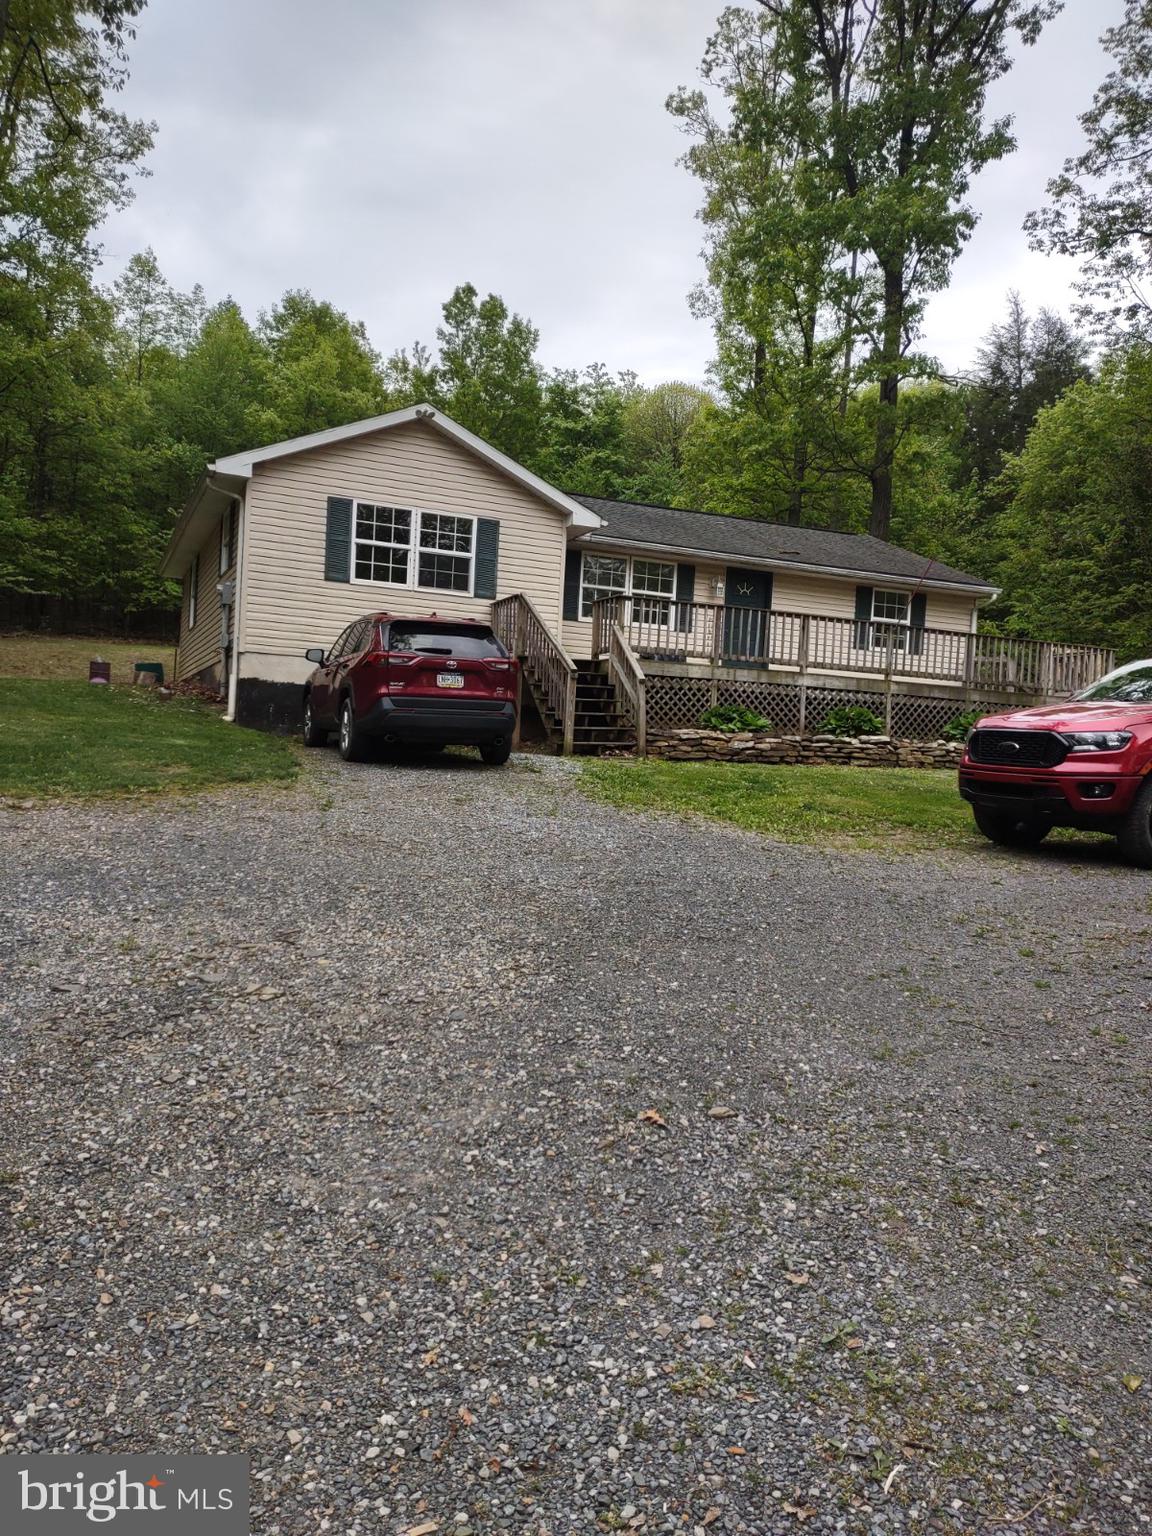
1009	830
1135	834
314	735
353	744
496	753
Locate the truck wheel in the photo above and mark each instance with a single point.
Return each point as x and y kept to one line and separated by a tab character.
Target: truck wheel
1008	830
353	744
1135	834
314	735
495	753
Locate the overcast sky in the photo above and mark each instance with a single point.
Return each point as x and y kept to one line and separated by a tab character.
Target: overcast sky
379	153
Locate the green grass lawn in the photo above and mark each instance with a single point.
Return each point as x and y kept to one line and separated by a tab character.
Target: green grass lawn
890	808
66	657
79	739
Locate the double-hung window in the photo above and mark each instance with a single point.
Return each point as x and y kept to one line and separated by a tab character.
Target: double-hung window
650	583
653	588
602	576
407	548
891	616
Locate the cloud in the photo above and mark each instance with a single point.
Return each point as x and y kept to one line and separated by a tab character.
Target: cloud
379	153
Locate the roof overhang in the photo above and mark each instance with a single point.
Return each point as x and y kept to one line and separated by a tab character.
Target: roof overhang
213	495
243	464
779	563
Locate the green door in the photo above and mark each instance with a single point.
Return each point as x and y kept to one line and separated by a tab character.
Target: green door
747	598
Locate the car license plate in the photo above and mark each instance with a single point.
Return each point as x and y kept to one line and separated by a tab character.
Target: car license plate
449	680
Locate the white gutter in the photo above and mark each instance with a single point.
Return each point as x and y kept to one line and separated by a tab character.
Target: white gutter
607	543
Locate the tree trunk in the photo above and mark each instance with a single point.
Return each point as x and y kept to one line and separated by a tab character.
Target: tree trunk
884	453
799	477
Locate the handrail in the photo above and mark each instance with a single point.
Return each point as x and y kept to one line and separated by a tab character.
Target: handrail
627	676
729	635
519	624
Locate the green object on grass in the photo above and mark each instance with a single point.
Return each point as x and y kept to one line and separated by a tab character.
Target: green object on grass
156	668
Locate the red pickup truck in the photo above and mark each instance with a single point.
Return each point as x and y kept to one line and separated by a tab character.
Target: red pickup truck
1086	764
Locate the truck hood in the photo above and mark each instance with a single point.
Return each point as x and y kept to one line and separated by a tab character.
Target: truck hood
1070	716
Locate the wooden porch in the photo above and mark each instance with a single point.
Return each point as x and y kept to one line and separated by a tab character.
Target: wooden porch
603	703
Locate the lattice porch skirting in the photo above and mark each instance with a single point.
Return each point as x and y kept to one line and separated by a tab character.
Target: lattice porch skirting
676	703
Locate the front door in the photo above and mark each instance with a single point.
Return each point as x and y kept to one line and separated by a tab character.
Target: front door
747	598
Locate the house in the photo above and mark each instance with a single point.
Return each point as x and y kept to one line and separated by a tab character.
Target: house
627	617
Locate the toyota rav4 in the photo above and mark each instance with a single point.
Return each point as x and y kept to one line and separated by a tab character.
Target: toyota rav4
1086	764
430	683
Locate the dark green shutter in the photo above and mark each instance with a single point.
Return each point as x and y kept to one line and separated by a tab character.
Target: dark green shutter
685	593
918	614
572	566
864	638
338	540
487	556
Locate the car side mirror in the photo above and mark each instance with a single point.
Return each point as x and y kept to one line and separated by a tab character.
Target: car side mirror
315	656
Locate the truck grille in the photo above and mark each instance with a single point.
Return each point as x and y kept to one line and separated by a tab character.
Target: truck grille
1018	749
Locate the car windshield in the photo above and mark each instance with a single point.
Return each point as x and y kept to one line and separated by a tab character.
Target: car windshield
471	642
1127	685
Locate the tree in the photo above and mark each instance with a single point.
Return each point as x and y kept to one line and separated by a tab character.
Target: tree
1101	209
1078	524
322	370
1022	365
67	521
782	291
487	372
582	431
902	86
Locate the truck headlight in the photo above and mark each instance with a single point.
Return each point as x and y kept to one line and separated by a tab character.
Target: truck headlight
1097	741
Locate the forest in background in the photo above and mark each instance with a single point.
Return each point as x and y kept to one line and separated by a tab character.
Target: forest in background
834	169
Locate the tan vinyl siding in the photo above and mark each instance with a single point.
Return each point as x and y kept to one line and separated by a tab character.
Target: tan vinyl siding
831	597
287	605
201	650
834	597
576	636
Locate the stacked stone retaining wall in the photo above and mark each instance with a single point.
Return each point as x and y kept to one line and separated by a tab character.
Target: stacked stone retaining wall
697	746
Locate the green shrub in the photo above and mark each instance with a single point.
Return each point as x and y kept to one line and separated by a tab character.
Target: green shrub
851	720
733	717
957	730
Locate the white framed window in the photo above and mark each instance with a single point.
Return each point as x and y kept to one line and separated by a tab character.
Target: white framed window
445	550
193	589
404	547
891	616
653	588
601	576
652	583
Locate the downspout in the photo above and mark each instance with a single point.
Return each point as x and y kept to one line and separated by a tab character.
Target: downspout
234	662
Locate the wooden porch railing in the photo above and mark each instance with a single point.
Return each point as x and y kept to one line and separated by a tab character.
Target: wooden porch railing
520	626
665	630
627	677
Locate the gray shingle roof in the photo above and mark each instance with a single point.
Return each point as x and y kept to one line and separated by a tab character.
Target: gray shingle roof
708	533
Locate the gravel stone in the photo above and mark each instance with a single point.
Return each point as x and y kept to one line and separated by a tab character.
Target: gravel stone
407	1128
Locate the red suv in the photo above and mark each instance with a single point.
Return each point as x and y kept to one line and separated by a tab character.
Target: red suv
427	683
1085	764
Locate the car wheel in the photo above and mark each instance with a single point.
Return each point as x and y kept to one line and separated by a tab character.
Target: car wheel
496	752
351	740
1008	830
314	735
1135	834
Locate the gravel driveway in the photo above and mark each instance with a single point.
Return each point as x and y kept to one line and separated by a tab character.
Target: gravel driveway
480	1158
